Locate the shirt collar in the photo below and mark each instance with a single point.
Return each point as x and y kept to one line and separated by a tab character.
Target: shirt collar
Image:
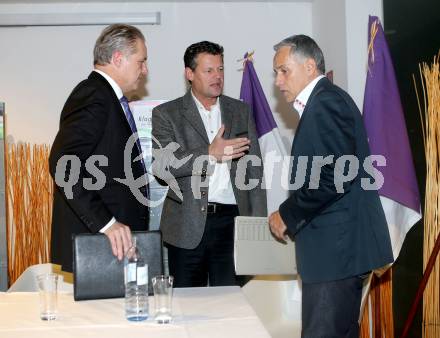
201	107
301	100
113	84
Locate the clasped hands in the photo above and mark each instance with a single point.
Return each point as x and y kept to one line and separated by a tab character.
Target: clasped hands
225	150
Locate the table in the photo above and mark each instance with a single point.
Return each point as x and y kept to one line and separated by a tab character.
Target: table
198	313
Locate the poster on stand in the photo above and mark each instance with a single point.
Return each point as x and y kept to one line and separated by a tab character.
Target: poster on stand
142	111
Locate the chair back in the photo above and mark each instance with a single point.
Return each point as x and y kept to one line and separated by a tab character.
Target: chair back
27	281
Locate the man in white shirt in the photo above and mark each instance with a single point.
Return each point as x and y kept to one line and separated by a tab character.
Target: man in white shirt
213	133
88	152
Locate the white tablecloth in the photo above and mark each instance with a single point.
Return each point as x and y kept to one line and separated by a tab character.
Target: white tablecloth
198	313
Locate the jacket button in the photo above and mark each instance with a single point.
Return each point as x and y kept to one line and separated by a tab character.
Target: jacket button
203	193
203	209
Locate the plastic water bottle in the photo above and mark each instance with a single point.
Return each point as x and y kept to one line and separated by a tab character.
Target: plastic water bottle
136	285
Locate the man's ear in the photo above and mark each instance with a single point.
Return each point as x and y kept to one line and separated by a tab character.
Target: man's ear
189	74
310	66
117	58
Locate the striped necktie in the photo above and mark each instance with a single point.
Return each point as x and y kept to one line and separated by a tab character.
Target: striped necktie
132	123
130	120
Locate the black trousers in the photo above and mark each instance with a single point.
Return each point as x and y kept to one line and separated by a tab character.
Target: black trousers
211	262
331	309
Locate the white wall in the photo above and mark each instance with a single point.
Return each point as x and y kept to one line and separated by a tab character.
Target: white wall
41	65
329	24
341	29
356	12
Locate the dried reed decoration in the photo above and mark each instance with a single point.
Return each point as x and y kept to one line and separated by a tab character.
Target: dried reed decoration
385	287
364	327
29	190
429	106
379	305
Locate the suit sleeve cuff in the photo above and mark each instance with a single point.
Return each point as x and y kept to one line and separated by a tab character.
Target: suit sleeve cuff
293	223
108	225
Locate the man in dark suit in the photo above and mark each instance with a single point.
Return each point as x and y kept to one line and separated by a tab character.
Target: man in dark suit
87	155
337	220
208	133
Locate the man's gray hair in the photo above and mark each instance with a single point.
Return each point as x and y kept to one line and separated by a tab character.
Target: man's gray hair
304	47
113	38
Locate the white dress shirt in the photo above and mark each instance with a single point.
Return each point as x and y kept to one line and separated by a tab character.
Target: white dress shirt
220	186
301	100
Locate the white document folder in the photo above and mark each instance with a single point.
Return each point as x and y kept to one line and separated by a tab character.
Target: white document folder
257	252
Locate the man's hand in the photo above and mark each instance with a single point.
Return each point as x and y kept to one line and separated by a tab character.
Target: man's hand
224	150
277	226
119	236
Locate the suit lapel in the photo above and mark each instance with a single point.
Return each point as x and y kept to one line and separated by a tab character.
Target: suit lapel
315	90
227	117
111	92
192	115
118	106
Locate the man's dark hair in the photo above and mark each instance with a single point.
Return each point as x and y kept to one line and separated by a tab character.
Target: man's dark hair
200	47
304	46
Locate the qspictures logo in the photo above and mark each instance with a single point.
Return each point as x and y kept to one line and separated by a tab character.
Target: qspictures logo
311	172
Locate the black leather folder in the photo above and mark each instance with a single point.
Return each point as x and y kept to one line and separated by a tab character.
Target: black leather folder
98	274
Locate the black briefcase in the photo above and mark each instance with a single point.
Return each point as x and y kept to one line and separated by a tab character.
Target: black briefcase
98	274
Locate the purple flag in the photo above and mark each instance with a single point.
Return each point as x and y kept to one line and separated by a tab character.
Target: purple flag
272	148
386	130
252	93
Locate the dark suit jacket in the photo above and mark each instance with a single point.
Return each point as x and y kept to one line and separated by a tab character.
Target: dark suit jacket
93	123
337	235
183	219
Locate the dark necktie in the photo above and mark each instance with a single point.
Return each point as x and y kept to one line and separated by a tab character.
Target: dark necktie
130	120
133	128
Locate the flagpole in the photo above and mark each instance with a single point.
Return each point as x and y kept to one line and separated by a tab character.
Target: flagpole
421	289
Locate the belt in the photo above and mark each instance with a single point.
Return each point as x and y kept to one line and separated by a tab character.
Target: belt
213	208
